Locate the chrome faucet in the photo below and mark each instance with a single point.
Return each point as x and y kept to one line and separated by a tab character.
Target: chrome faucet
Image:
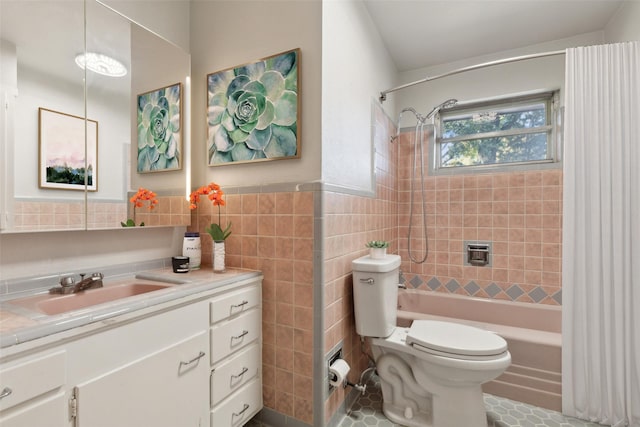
68	284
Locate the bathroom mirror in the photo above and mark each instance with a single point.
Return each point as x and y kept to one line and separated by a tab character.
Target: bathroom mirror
47	98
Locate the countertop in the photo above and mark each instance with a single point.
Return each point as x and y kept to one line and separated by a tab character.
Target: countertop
19	324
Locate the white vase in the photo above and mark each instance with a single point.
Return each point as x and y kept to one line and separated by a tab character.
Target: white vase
377	253
217	257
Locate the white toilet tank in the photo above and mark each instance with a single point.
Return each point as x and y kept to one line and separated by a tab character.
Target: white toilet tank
375	295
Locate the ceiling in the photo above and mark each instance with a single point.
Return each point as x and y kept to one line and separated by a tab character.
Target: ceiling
423	33
417	33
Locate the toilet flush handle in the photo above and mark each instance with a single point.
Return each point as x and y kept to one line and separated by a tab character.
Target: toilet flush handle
368	281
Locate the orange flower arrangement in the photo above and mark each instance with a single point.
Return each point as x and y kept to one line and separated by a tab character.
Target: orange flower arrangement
215	194
143	195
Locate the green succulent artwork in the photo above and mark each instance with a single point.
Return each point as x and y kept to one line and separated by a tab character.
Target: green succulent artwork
253	111
159	127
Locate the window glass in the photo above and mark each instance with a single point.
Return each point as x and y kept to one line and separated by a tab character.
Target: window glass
508	131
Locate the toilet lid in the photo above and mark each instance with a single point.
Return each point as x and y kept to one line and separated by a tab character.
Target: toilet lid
454	338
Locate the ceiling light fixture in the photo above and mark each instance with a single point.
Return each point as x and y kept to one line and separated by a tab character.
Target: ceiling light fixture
101	64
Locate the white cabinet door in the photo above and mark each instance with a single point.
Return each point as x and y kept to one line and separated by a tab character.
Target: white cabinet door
168	388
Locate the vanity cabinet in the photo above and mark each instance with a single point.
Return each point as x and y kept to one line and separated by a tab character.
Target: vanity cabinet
192	362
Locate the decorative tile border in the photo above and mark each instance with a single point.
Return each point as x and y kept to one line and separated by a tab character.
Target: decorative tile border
511	292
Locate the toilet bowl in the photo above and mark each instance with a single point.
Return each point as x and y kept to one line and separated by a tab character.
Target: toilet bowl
430	373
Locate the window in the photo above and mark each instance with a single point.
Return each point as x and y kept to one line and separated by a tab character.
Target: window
508	132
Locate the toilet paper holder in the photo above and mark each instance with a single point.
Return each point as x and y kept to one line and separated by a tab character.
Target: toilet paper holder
338	370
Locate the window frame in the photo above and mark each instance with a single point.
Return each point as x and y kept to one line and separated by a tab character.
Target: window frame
553	128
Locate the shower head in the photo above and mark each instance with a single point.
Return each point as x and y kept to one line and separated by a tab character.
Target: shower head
446	104
419	116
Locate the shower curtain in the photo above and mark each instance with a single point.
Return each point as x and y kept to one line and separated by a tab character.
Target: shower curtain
601	235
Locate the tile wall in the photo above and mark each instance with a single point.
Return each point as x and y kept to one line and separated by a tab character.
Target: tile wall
351	221
43	215
274	232
30	216
170	210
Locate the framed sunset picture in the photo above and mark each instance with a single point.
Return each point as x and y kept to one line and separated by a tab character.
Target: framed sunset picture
67	160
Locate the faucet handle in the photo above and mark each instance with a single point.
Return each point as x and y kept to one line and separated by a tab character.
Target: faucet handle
97	276
66	281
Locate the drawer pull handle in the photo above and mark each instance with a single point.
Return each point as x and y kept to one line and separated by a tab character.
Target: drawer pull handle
244	409
242	304
195	359
244	371
5	392
237	337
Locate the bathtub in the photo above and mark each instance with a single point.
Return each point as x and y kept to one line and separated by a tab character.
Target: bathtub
532	332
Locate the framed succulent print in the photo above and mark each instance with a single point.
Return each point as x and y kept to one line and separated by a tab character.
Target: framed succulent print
67	160
160	129
253	111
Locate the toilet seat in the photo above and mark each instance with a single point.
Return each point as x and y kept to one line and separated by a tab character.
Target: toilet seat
455	340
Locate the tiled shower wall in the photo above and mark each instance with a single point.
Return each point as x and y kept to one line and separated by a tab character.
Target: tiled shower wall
519	212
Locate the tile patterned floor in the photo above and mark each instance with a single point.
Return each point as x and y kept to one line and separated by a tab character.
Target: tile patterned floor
501	412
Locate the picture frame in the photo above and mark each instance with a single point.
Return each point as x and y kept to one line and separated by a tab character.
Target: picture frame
159	115
64	153
253	111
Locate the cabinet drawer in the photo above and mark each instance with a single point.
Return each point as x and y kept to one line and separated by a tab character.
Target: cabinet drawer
30	379
229	337
240	407
234	303
51	411
232	374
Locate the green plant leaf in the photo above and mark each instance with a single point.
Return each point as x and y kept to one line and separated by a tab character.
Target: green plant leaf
129	223
379	244
217	233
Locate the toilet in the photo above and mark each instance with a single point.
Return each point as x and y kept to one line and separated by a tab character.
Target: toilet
430	373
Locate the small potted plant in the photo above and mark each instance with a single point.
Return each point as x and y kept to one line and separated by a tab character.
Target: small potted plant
215	230
377	248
